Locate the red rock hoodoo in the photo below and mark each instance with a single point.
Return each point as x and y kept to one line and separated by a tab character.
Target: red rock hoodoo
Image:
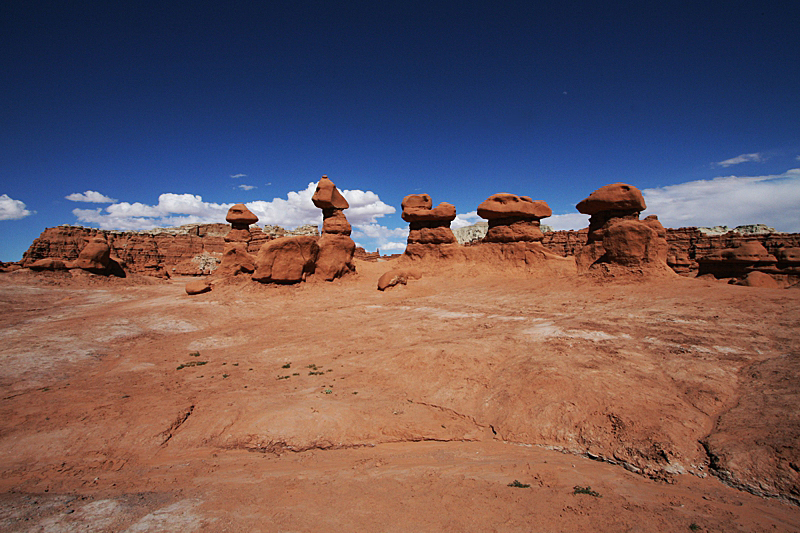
513	218
617	236
236	258
336	248
429	229
95	256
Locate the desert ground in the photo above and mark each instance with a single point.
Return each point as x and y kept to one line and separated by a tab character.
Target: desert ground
468	400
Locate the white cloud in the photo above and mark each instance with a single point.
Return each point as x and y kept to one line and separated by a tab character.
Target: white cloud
246	187
744	158
465	219
390	246
177	209
235	176
90	196
797	158
11	209
730	201
567	221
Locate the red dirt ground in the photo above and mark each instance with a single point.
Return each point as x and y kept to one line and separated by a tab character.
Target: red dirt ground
336	407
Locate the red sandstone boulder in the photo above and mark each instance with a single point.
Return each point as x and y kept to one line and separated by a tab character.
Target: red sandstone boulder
240	216
335	222
47	263
614	197
397	277
758	279
286	260
198	286
95	256
788	255
235	260
327	196
505	205
632	242
443	212
335	257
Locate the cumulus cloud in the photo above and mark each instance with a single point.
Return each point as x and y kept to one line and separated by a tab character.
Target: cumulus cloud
465	219
11	209
177	209
236	176
730	201
90	196
567	221
744	158
246	187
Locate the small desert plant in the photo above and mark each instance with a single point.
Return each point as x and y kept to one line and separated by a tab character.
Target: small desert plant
586	490
192	363
313	373
194	354
516	484
694	527
225	376
287	365
283	377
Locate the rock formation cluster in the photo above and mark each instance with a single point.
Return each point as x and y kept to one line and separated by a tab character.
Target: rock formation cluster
328	257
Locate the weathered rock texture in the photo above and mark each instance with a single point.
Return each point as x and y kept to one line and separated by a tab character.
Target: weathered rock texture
287	260
616	236
328	198
513	218
193	249
429	228
749	262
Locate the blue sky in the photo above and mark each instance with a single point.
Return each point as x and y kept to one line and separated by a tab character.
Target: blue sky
175	110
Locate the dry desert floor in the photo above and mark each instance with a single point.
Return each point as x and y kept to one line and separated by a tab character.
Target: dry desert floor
465	401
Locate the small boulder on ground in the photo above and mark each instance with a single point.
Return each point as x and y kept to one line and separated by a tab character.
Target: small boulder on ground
198	286
48	263
397	277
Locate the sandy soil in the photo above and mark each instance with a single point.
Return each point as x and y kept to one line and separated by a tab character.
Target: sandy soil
130	406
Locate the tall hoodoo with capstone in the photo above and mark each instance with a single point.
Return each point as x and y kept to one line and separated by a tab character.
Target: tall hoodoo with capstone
336	248
616	235
235	257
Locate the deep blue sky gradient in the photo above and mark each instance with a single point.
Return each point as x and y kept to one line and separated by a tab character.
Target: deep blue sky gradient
457	99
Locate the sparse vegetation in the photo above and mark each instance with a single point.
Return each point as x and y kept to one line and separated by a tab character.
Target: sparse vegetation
694	527
225	376
194	354
287	365
283	377
313	373
586	490
192	363
516	484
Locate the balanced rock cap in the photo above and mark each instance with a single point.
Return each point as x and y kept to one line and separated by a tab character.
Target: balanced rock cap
614	197
327	196
505	205
239	214
443	212
422	201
